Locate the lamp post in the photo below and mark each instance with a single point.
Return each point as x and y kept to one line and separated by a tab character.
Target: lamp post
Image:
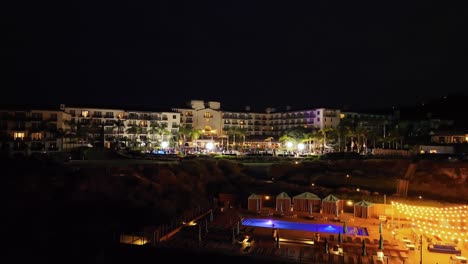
164	145
209	146
300	147
289	146
420	249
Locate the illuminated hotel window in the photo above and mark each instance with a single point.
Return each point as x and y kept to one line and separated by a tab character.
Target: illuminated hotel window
342	116
433	151
84	113
36	136
120	115
207	115
19	135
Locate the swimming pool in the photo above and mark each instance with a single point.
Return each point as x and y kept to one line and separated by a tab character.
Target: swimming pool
310	227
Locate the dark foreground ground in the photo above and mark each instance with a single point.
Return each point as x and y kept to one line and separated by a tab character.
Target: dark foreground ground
125	254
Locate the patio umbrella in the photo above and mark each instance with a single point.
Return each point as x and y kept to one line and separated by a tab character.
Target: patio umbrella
199	233
380	227
277	240
233	236
381	241
364	251
345	228
326	245
340	238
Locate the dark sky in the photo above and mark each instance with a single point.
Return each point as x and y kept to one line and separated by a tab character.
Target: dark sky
257	53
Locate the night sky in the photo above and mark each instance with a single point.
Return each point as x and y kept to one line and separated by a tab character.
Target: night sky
257	53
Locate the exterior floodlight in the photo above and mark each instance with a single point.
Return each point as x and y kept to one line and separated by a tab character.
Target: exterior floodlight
301	146
289	144
164	144
209	146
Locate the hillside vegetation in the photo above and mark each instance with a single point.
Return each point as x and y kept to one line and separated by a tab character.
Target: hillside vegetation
46	202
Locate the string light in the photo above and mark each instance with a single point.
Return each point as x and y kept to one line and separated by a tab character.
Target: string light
427	219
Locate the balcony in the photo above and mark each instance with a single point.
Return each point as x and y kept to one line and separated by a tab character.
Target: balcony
36	118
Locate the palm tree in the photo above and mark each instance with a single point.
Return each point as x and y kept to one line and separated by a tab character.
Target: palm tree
287	137
61	133
82	131
159	129
49	129
324	132
269	139
343	131
154	129
316	137
134	130
185	132
242	132
119	124
163	131
232	131
361	134
195	135
308	137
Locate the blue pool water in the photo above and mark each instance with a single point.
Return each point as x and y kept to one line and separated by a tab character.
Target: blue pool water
310	227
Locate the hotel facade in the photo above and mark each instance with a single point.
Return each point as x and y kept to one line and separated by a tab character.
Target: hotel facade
46	129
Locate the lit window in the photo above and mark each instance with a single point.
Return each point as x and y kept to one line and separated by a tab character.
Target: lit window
120	115
36	136
19	135
342	116
84	113
207	115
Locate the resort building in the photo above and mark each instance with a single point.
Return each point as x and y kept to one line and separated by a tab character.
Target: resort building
126	127
202	122
32	129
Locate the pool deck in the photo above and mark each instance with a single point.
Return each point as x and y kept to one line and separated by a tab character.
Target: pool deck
296	246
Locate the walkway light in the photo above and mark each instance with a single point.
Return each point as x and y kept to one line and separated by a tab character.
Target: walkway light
301	146
209	146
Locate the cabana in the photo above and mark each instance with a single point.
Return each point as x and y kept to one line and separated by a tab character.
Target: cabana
255	203
306	202
283	202
363	209
330	205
